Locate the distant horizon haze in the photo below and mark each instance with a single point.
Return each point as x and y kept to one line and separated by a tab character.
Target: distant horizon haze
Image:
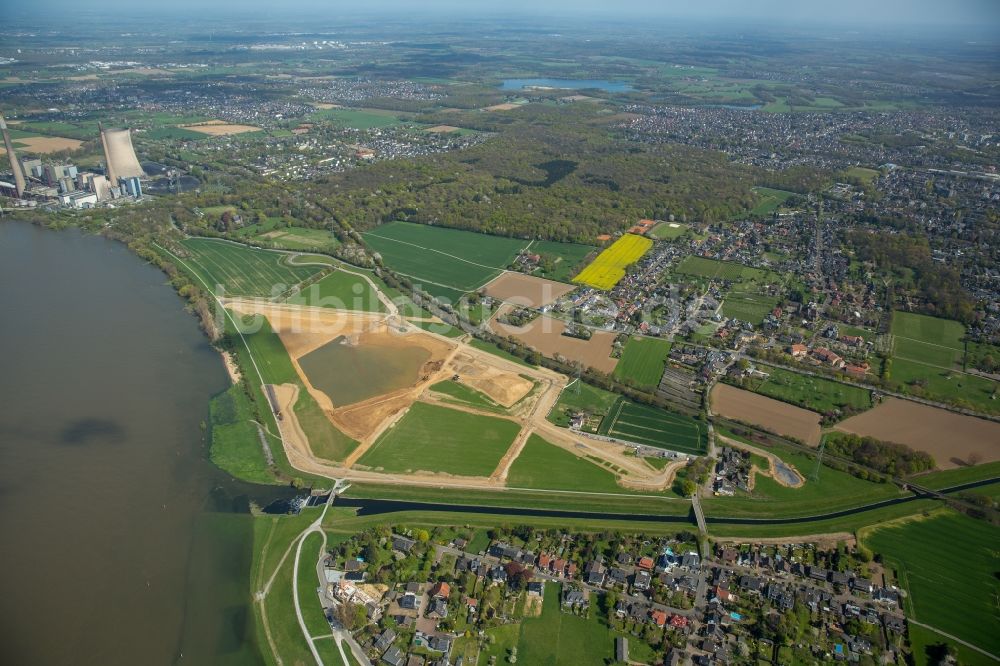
882	14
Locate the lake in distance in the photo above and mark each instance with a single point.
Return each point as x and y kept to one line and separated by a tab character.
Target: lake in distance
122	543
566	84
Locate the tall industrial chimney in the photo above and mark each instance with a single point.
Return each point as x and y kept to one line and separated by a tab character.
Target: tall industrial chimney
15	164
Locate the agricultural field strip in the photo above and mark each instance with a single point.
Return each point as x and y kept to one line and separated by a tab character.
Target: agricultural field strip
608	268
626	429
222	273
925	342
430	249
224	263
623	425
229	269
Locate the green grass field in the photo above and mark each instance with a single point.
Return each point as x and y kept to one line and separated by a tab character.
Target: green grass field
513	498
723	270
928	358
748	306
234	442
339	290
482	345
563	639
439	327
272	536
928	340
869	336
579	396
243	271
769	200
643	360
664	231
361	118
545	465
862	174
954	477
922	638
465	395
568	258
438	439
647	425
299	238
819	395
445	262
307	583
947	385
947	562
171	133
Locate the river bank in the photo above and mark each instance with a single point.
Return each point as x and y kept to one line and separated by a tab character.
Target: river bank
106	383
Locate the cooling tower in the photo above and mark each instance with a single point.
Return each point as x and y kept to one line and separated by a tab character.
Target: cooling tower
120	155
15	164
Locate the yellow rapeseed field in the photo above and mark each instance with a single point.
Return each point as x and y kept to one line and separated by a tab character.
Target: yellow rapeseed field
609	266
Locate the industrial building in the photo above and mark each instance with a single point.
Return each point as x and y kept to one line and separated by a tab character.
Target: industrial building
35	180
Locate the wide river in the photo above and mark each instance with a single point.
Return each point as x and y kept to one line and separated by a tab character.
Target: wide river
122	543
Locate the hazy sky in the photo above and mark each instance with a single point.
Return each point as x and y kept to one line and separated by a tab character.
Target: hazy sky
859	12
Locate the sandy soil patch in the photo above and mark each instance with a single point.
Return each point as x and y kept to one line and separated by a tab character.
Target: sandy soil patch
442	129
219	128
507	106
532	606
44	144
361	419
951	438
292	435
501	386
277	235
773	415
232	369
544	334
303	329
528	290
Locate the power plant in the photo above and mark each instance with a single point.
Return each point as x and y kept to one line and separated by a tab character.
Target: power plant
41	181
15	164
119	155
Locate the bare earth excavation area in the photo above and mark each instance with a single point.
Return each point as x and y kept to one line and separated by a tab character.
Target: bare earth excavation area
305	330
544	334
952	439
337	336
527	290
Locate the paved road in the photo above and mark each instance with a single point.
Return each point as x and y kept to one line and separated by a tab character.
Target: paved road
315	526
